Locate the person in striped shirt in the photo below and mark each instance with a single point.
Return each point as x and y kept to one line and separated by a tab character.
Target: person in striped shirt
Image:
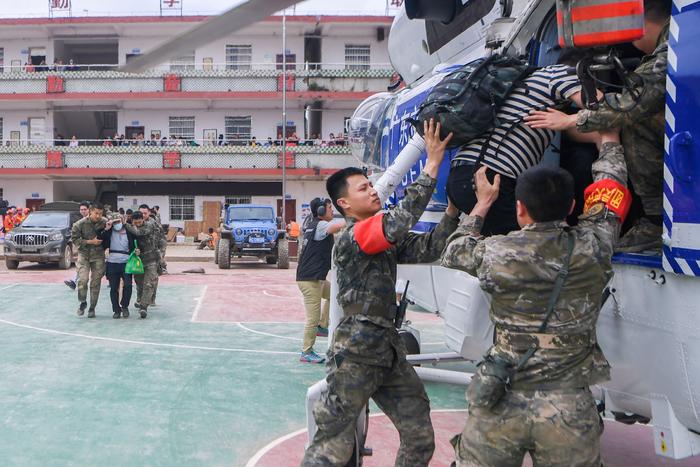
513	147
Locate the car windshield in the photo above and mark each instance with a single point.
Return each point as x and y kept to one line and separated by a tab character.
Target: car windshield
251	214
55	220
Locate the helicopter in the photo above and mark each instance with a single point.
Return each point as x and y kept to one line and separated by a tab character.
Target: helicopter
647	325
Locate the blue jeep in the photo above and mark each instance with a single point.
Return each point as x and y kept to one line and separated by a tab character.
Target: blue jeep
251	230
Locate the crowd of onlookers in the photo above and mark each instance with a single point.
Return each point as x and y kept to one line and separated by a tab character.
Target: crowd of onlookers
236	140
13	217
57	65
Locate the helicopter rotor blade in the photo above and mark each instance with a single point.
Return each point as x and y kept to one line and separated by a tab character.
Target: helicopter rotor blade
214	28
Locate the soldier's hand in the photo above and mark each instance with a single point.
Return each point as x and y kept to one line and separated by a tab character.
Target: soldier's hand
94	241
452	210
550	119
108	225
434	146
486	192
138	252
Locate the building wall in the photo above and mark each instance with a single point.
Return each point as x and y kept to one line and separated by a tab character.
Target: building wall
301	191
18	120
17	191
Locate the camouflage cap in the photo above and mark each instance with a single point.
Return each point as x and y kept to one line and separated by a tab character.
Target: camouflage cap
114	216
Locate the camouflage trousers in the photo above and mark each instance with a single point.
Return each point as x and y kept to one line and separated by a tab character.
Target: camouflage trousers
645	164
397	391
146	284
559	428
90	273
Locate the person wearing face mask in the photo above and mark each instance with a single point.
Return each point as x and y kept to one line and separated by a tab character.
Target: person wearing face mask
120	243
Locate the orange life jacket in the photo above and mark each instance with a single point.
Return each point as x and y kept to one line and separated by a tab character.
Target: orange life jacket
294	230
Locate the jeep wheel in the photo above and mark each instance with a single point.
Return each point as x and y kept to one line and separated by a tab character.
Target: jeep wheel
11	263
224	254
67	258
216	253
282	254
271	260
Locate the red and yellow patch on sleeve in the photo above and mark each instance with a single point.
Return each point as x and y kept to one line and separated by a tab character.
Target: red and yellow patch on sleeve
369	235
611	193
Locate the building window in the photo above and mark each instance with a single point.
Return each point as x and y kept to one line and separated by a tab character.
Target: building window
237	128
182	208
356	57
239	57
185	62
182	127
239	199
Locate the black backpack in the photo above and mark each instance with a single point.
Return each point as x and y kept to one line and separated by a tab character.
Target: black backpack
465	102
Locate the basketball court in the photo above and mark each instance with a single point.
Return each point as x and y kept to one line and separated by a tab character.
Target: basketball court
211	378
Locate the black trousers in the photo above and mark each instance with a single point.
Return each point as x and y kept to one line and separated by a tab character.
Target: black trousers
501	218
115	274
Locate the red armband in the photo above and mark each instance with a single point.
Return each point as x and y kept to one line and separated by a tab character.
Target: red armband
369	235
613	194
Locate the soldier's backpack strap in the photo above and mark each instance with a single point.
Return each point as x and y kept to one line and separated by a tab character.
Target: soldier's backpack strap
558	285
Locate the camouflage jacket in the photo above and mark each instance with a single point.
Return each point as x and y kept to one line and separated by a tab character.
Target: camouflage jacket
519	270
367	276
148	237
85	229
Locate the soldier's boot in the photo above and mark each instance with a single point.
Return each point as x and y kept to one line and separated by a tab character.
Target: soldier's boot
125	312
91	313
643	236
81	309
117	314
143	313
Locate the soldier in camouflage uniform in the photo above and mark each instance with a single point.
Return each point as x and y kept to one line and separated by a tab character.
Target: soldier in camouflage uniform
549	410
642	127
147	232
85	235
367	358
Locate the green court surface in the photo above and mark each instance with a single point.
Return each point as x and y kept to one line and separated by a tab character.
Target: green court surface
164	391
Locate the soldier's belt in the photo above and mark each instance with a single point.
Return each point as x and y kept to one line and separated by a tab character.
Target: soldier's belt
370	310
524	340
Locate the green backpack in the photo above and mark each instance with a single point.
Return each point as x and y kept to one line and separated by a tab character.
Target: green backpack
466	101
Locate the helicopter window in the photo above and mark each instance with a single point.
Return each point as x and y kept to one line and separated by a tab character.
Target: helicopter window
439	34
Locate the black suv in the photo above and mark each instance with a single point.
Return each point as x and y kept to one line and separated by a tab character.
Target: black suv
44	236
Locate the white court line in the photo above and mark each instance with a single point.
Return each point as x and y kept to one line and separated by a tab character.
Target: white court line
152	344
267	333
270	446
8	287
265	292
199	300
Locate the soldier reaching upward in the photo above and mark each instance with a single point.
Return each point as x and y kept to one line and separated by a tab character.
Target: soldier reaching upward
367	358
531	391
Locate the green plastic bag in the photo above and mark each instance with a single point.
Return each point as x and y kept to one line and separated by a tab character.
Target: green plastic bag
134	264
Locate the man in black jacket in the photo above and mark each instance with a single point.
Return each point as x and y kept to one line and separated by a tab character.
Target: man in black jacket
121	243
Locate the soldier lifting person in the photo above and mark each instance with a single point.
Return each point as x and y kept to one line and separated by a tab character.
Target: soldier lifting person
367	358
531	392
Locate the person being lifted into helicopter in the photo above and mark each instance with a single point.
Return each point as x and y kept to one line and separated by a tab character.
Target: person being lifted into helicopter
367	358
639	113
531	392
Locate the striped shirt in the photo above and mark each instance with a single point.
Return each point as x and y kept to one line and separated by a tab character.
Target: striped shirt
514	149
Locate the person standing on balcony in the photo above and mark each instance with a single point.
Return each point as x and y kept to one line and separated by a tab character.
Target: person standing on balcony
73	142
314	264
85	235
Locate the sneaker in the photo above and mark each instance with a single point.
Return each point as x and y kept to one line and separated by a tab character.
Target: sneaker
311	357
643	236
117	315
70	284
91	313
143	314
321	331
81	309
125	313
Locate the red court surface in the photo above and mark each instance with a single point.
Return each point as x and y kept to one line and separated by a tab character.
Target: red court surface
622	445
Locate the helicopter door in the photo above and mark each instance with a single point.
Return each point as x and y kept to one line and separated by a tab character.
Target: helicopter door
681	251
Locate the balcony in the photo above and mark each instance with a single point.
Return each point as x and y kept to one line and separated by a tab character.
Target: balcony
260	81
172	161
